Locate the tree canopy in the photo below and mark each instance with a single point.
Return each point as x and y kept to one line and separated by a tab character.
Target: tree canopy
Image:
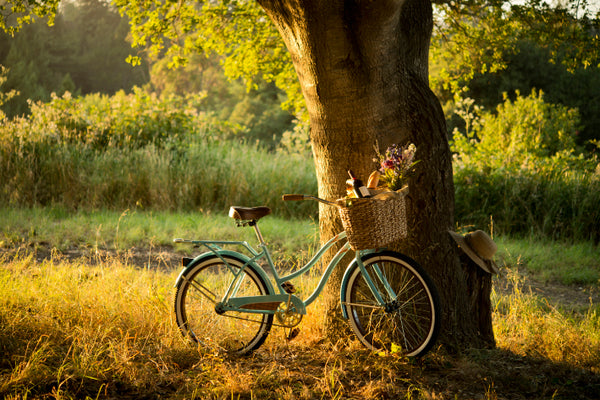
478	44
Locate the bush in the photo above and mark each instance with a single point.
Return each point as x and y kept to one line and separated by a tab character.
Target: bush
521	168
140	150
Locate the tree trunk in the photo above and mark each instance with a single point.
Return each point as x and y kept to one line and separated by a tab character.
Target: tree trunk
363	69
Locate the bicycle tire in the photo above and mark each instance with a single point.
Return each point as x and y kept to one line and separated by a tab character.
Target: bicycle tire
201	287
408	324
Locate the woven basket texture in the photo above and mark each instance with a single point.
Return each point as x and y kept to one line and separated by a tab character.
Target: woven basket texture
374	222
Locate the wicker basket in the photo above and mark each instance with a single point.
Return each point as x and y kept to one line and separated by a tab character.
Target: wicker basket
375	221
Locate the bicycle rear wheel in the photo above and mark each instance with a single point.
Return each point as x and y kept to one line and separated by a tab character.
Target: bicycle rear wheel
202	286
409	320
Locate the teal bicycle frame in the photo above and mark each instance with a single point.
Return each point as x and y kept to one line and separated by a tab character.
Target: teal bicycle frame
230	302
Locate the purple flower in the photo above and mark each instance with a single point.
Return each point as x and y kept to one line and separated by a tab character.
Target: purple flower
396	165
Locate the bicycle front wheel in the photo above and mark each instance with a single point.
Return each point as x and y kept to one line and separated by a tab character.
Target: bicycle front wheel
199	292
408	321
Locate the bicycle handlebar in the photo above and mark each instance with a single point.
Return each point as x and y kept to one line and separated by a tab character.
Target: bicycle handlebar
292	197
298	197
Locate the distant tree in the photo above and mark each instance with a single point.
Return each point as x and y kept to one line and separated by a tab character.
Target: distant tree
530	68
257	108
98	48
30	74
84	51
492	48
5	96
479	36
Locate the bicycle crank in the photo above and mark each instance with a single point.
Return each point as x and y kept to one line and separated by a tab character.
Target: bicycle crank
287	316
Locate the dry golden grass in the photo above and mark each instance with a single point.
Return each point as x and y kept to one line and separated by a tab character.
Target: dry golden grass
70	329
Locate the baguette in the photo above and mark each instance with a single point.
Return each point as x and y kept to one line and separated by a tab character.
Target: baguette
373	180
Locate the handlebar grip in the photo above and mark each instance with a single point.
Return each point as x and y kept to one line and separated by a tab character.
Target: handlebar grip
293	197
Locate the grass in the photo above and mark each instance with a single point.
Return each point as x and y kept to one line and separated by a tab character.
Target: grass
71	328
564	262
57	227
88	232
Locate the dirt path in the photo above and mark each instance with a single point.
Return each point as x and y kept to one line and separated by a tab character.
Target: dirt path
569	297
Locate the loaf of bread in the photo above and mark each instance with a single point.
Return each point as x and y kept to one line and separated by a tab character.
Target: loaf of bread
373	180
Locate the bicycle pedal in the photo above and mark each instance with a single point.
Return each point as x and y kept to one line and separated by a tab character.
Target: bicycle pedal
293	333
288	287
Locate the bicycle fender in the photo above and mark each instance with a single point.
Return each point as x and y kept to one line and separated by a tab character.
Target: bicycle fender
346	277
235	254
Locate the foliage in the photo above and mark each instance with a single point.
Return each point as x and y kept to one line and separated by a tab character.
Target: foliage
15	13
83	52
296	142
482	49
5	96
521	168
97	122
260	112
530	68
523	134
141	150
477	36
236	29
144	151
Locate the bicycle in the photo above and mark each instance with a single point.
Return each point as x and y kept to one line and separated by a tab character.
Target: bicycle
225	300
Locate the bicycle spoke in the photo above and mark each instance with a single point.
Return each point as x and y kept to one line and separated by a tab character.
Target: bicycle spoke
202	289
406	321
376	306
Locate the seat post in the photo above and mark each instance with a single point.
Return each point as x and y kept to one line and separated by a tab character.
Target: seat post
257	231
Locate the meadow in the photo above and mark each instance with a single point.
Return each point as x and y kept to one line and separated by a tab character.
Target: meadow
94	190
140	151
92	318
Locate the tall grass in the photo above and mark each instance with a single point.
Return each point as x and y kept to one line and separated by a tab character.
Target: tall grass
140	151
74	327
528	325
551	204
71	330
200	174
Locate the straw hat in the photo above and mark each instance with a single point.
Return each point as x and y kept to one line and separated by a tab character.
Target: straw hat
479	247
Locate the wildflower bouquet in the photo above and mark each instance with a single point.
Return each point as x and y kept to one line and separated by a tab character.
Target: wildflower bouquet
396	165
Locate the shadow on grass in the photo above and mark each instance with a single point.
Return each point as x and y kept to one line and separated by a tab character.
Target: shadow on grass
310	370
502	374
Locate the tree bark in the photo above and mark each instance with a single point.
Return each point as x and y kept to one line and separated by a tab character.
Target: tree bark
363	69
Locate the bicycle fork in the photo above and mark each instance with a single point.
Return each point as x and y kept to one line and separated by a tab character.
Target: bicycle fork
380	277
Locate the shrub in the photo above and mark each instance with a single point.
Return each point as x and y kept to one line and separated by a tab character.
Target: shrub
520	167
140	150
